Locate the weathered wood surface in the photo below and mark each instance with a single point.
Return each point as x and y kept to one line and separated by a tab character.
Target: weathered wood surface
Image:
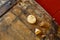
14	26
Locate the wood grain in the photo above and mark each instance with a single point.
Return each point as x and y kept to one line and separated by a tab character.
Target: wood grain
14	25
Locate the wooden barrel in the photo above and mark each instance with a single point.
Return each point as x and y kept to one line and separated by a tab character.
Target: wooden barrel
14	25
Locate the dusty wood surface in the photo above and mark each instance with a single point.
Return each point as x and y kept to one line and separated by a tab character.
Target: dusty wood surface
14	26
